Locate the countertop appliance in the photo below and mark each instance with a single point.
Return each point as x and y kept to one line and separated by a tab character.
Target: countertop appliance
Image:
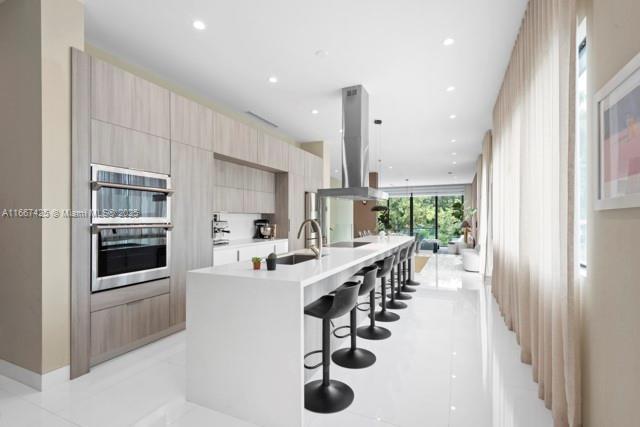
264	229
219	228
131	227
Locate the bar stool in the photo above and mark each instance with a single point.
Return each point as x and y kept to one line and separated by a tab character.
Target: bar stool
410	280
401	275
373	332
354	357
327	395
384	267
395	304
405	263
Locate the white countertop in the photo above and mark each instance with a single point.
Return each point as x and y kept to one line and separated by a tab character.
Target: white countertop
308	272
238	243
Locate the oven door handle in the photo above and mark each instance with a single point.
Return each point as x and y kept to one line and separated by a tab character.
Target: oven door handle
96	185
97	227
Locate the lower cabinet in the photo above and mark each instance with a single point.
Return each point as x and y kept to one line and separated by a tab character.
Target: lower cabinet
118	329
224	256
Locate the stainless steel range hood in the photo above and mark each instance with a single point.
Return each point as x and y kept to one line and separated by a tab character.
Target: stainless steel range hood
355	149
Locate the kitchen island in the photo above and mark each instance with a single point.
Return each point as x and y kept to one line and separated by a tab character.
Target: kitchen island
246	330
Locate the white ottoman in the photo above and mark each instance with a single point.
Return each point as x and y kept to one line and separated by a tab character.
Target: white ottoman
471	259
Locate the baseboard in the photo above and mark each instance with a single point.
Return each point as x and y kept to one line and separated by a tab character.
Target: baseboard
32	379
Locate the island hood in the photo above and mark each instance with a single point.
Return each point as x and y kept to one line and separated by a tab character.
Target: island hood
355	149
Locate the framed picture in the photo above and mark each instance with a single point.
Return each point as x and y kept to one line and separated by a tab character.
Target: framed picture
618	130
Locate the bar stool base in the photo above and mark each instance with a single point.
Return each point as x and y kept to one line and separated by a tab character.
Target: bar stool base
407	289
326	399
413	283
396	305
353	358
373	332
402	296
386	316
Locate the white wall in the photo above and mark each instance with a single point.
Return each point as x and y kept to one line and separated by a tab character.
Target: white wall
611	311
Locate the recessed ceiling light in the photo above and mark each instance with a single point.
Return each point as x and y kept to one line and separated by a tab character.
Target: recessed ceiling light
390	167
321	53
452	116
454	162
448	42
273	79
335	171
340	130
454	153
199	25
453	408
314	111
453	376
453	140
451	88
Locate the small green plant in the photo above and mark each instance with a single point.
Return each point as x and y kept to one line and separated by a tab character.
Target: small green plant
256	259
272	255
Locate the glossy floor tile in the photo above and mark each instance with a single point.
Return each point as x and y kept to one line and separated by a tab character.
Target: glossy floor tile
450	362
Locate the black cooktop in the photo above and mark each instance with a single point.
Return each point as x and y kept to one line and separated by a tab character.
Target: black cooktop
348	244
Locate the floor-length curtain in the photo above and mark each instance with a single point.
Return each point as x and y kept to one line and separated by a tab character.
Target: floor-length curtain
534	280
484	206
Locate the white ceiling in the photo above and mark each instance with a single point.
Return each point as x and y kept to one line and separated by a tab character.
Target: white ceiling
393	48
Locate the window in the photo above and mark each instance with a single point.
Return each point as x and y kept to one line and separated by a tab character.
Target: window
430	217
581	179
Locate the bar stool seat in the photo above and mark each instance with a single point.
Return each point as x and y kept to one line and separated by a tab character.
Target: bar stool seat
385	266
406	269
395	304
327	395
410	281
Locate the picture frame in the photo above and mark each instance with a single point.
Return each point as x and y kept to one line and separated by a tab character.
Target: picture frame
617	127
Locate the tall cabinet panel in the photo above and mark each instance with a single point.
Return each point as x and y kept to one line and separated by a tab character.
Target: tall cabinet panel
123	99
312	172
272	152
192	174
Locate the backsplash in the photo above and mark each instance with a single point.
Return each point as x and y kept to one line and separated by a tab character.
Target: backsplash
241	225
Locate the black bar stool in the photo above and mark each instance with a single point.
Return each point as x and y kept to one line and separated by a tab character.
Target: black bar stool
405	264
373	332
384	267
327	395
395	304
354	357
410	280
401	274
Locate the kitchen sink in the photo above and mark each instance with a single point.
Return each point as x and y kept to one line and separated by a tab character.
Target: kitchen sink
295	259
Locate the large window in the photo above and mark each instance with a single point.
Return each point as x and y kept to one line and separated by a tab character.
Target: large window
430	217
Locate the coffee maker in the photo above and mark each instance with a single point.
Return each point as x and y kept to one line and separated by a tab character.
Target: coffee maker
264	229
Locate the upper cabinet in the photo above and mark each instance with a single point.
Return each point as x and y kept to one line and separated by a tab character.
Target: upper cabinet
296	161
312	172
191	123
235	139
273	152
121	98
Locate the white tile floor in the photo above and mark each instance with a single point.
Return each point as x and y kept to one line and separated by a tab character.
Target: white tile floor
450	362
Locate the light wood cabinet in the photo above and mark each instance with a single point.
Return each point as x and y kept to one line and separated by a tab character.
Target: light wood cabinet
296	210
115	145
226	199
266	202
235	139
272	152
109	330
148	316
192	173
312	172
296	161
191	123
251	203
121	98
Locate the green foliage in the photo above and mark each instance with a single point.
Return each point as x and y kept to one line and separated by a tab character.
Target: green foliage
450	216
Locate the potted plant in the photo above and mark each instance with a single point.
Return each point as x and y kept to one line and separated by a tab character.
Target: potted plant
271	261
256	260
383	219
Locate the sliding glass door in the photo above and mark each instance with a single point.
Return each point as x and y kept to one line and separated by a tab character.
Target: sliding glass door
429	217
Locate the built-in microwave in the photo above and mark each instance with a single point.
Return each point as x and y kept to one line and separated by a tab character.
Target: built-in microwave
127	196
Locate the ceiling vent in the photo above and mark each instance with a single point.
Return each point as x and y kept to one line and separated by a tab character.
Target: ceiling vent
262	119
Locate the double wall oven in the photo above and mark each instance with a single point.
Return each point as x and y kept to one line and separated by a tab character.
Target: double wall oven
131	227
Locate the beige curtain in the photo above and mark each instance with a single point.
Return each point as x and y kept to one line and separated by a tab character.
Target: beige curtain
485	175
534	279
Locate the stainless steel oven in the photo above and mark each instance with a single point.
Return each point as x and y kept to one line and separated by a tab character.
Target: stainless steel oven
128	196
125	254
131	227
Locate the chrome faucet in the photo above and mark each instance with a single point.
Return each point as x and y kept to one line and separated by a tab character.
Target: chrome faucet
314	224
